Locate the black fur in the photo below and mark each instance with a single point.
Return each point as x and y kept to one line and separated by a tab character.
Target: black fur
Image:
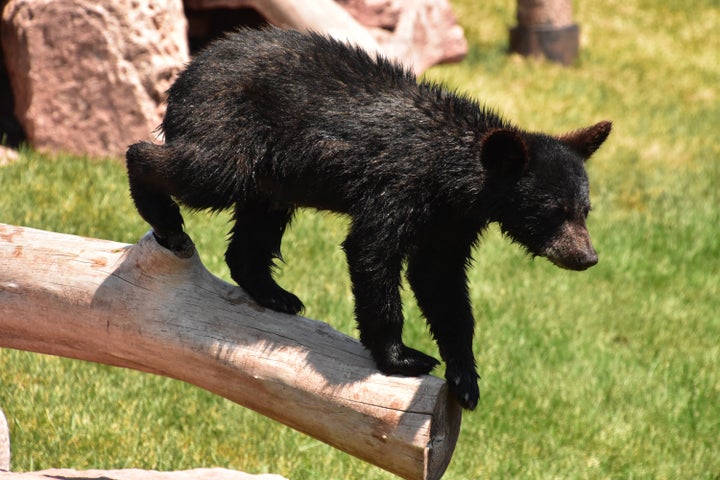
268	121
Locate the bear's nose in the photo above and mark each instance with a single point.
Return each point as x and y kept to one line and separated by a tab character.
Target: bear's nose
571	248
589	259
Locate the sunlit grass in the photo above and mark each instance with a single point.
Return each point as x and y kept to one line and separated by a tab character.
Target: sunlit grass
609	373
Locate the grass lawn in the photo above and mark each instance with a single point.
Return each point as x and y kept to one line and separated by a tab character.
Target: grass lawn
609	373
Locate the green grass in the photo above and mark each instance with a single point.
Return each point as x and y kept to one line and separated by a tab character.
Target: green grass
609	373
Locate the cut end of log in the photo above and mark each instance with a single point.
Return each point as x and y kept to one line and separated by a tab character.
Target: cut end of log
444	433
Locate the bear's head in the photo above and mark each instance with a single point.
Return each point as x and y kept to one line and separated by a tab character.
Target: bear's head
544	195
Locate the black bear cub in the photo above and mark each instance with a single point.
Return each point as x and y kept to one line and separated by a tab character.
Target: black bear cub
266	121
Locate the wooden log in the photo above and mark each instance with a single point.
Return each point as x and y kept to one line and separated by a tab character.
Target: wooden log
318	15
417	34
137	474
142	307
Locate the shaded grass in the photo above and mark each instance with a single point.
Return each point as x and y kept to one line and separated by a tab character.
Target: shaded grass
611	373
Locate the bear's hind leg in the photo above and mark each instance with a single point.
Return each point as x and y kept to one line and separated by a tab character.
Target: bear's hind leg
149	189
254	244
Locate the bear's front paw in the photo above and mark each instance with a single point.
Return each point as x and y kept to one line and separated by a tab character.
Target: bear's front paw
401	360
463	384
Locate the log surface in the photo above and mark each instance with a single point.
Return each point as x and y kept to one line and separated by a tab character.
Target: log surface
141	307
136	474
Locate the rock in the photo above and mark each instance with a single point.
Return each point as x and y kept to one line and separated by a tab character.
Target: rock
136	474
89	76
419	33
4	443
7	156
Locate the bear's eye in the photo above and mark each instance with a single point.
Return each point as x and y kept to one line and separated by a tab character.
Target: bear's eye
563	209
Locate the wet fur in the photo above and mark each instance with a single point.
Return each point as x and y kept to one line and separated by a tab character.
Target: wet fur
268	121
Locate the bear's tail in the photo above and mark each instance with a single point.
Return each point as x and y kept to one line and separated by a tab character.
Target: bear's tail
146	157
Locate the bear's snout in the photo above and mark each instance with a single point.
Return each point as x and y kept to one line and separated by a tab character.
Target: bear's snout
571	248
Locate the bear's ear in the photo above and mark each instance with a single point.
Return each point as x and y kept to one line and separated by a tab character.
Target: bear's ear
504	152
587	140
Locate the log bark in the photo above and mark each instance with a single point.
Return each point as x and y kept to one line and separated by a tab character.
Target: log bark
141	307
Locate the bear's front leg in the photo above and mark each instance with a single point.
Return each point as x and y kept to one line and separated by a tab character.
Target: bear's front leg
436	273
375	264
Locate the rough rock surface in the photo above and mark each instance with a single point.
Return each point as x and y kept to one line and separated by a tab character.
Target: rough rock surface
89	76
135	474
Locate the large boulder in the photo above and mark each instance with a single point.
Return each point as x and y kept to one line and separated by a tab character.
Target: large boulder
89	76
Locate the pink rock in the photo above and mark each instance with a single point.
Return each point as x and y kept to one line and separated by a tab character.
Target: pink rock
89	76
